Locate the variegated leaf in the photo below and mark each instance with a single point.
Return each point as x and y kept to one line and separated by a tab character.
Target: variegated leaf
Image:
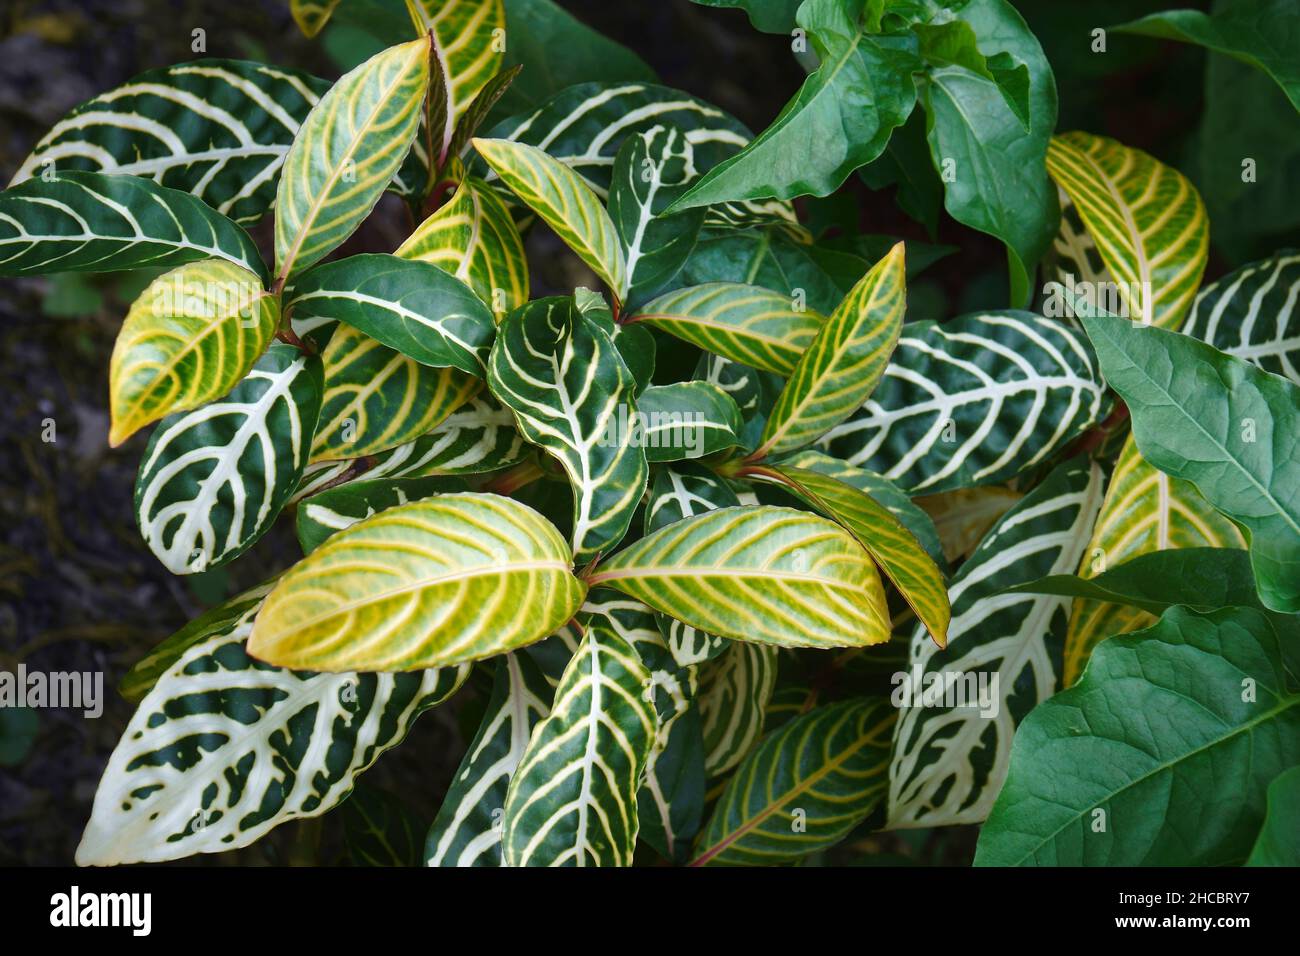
377	399
572	799
553	655
1146	219
803	789
224	748
218	129
651	170
896	550
735	688
188	339
214	479
744	323
772	575
753	390
473	238
413	307
959	707
467	831
912	516
564	202
974	401
1252	313
686	420
95	222
479	110
1144	510
337	508
346	152
845	360
454	578
312	15
559	372
478	437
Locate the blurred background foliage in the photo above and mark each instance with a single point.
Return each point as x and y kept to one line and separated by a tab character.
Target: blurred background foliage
79	590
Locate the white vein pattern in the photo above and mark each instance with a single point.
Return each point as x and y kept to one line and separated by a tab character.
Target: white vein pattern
974	401
100	222
734	691
225	748
467	831
214	479
949	762
478	437
1251	313
572	800
218	129
661	166
562	376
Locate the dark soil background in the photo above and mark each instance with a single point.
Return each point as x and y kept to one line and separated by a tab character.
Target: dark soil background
79	590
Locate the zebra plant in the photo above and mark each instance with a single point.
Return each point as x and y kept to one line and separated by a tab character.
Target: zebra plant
745	558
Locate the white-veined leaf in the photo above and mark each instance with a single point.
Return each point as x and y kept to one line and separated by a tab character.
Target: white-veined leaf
974	401
224	748
959	707
214	479
686	420
341	507
735	688
218	129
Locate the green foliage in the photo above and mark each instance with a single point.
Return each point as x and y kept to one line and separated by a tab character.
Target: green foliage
730	534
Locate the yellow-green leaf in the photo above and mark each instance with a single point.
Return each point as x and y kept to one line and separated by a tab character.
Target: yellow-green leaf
564	201
1146	219
468	46
445	580
772	575
744	323
895	549
189	338
376	398
346	152
1144	510
473	238
844	363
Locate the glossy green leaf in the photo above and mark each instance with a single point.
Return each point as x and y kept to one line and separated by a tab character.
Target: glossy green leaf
188	339
1262	33
223	749
849	107
560	374
218	129
467	831
1146	219
803	789
463	577
747	324
214	479
334	509
1226	727
959	707
770	16
380	830
572	799
346	152
1252	313
772	575
377	399
973	401
414	307
94	222
1225	426
844	362
1278	843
